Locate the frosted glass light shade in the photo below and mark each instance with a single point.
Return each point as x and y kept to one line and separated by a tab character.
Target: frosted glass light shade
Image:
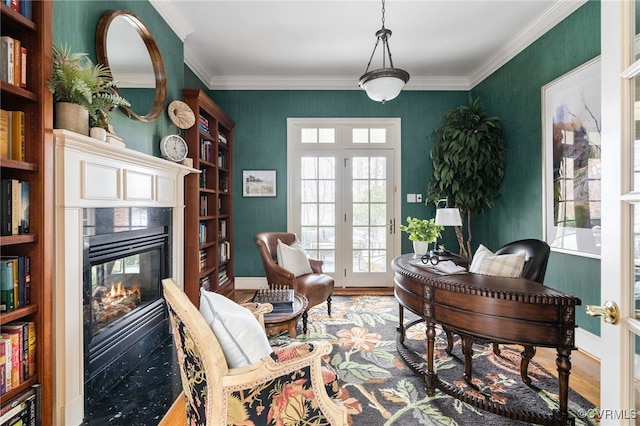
448	217
384	84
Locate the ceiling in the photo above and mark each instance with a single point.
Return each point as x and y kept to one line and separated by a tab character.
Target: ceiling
307	44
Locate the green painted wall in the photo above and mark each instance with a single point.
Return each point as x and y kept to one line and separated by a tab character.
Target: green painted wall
514	93
260	142
74	24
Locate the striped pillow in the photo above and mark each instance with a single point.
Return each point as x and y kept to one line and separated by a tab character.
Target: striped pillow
505	265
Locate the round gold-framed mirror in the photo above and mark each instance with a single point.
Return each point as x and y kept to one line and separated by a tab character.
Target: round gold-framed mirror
126	46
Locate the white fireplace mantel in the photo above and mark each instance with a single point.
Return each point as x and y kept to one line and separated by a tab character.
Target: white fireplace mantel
93	173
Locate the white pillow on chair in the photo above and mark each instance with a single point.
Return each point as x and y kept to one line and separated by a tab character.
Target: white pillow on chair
502	265
240	334
293	258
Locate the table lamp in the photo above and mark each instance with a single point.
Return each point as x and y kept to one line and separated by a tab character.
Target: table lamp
446	216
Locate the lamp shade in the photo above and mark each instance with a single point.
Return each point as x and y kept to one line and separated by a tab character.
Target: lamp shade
448	217
384	84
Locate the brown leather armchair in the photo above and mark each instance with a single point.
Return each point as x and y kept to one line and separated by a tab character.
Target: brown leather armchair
535	267
316	287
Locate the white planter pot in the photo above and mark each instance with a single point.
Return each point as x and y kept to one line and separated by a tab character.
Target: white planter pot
71	117
420	247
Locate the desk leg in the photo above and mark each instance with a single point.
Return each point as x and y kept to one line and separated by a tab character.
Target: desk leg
563	362
431	375
467	351
401	322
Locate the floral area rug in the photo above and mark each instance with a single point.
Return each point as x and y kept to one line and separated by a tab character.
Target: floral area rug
379	389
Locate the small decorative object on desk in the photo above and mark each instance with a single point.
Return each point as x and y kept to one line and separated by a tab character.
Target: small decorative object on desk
280	297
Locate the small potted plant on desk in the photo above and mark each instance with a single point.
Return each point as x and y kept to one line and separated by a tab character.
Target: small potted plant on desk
421	232
83	92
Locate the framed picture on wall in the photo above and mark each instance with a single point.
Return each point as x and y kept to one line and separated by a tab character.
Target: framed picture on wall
571	119
258	183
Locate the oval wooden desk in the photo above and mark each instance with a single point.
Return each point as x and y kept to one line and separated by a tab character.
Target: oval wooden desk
487	308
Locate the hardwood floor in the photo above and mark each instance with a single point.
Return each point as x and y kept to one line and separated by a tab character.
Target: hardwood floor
584	379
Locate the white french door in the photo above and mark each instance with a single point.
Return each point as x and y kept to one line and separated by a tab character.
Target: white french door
620	259
343	195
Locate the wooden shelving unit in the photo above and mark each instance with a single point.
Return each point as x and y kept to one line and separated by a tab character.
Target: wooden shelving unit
208	232
37	103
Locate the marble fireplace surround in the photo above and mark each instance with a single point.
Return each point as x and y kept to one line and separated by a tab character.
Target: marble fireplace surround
93	173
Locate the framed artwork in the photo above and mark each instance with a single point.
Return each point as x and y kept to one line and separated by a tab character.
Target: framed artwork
258	183
571	120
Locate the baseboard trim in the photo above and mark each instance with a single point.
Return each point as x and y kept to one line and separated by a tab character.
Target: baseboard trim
588	343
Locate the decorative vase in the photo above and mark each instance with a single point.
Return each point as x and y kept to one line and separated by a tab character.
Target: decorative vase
98	133
420	247
71	117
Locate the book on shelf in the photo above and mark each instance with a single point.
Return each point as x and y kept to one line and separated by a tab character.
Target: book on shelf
23	65
225	251
203	124
7	362
17	60
15	282
223	228
4	134
222	160
21	410
7	60
280	298
14	207
26	9
205	150
202	237
13	4
203	259
204	205
205	283
17	135
14	372
222	139
224	184
203	178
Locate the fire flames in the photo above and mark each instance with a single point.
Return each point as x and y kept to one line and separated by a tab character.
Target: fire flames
118	291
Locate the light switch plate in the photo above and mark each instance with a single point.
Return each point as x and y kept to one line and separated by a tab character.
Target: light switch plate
411	198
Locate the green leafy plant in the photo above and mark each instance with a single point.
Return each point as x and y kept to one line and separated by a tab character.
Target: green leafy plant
422	229
77	80
468	164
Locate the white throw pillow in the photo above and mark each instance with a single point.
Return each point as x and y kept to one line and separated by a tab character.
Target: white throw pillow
503	265
293	258
241	336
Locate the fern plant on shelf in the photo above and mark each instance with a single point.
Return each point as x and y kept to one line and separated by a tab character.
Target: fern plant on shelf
76	80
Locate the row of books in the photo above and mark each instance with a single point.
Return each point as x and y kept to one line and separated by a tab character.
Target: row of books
12	135
222	229
223	277
202	233
205	283
203	124
15	282
203	178
206	149
14	207
225	251
23	7
23	410
222	159
204	205
224	184
17	354
13	61
203	259
222	139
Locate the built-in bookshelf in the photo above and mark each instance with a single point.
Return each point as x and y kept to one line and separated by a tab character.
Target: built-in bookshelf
208	233
26	160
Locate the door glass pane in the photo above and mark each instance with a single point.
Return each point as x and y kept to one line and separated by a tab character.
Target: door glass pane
369	230
318	209
636	143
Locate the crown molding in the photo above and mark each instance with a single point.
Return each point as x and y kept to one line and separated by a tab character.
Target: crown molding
529	34
550	18
173	17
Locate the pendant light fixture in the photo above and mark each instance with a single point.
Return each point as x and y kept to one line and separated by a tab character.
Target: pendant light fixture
384	83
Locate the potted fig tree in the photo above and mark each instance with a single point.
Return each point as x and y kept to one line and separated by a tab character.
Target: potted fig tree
468	164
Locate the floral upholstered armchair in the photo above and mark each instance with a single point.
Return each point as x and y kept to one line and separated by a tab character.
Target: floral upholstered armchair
288	385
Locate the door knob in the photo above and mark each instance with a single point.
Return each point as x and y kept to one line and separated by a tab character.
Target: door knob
609	311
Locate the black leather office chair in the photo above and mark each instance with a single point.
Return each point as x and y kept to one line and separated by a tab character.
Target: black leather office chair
535	268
